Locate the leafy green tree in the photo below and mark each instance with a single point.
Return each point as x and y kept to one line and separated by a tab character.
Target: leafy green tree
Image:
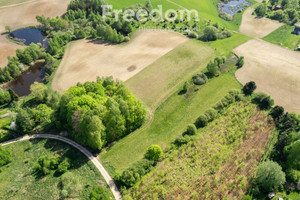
249	88
8	29
261	10
241	61
270	175
210	33
213	69
277	112
199	79
99	193
154	152
263	101
148	5
191	129
293	155
24	122
4	97
114	121
39	91
185	87
43	116
201	121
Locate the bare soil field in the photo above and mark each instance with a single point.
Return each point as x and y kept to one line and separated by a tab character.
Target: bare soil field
257	27
276	71
22	16
84	60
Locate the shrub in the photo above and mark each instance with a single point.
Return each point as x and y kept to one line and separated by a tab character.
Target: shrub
182	140
241	61
249	88
199	79
46	163
99	193
4	97
193	34
263	101
261	10
211	114
201	121
210	34
185	87
225	16
213	69
154	152
277	112
70	185
293	175
63	166
270	175
191	129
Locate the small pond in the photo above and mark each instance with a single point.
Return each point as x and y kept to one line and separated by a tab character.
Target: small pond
21	84
233	7
28	36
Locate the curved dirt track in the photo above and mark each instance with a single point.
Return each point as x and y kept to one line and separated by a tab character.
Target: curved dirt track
95	161
276	71
257	27
23	15
84	60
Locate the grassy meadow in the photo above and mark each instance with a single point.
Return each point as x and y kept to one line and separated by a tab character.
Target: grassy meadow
207	9
283	37
17	180
217	164
169	121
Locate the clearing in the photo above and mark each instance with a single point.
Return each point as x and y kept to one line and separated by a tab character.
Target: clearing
218	163
257	27
17	180
84	60
22	16
276	71
283	37
169	121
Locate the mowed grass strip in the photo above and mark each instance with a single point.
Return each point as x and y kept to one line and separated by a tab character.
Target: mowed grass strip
284	37
170	120
225	46
161	79
18	182
12	2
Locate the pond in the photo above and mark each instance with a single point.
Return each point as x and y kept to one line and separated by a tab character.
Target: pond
233	7
28	36
21	85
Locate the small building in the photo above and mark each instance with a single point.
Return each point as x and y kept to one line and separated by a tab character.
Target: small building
271	195
297	29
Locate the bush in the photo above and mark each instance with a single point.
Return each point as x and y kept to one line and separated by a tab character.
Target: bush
213	69
241	61
63	166
249	88
201	121
46	164
4	97
270	175
210	34
293	175
225	16
277	112
99	193
199	79
134	173
182	140
154	152
193	34
185	87
191	129
70	185
211	114
263	101
261	10
5	156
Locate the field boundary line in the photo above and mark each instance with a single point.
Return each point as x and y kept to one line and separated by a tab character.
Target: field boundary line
19	4
87	153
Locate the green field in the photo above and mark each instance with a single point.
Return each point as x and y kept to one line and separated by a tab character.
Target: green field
207	9
18	182
204	168
169	121
283	37
225	46
165	75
